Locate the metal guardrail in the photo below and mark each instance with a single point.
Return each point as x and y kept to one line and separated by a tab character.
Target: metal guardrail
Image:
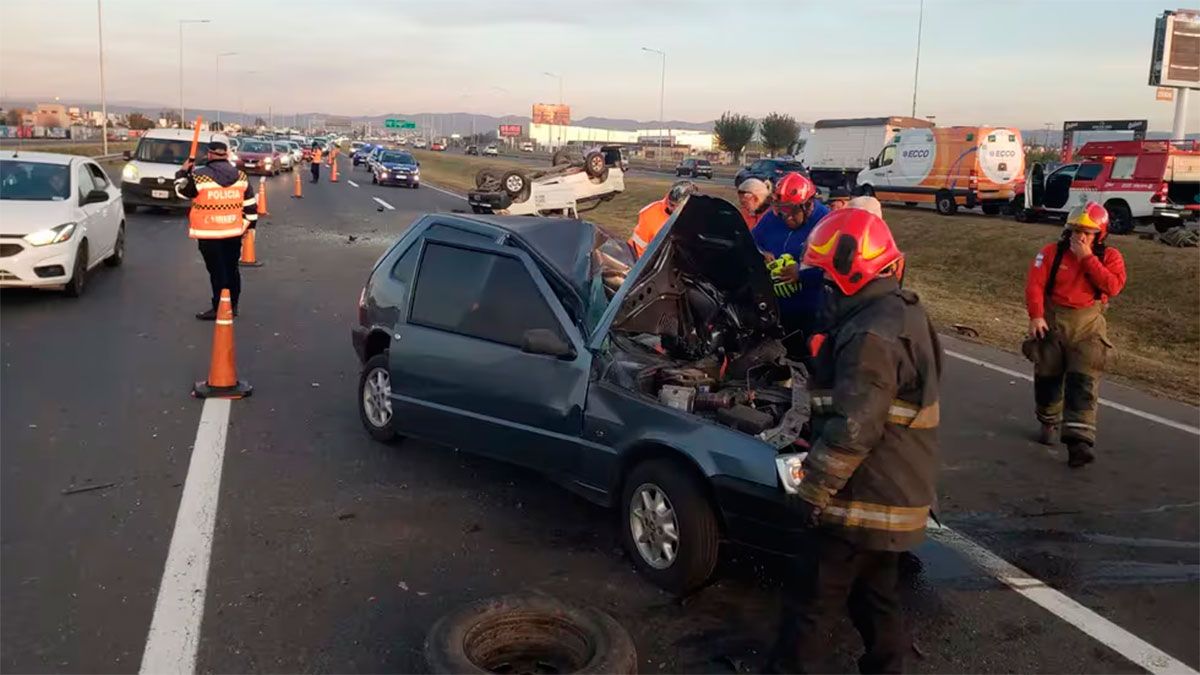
106	158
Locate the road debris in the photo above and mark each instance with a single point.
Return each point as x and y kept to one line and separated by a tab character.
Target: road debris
87	488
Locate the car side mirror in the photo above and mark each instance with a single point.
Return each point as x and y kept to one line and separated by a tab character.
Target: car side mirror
548	342
95	197
128	154
874	163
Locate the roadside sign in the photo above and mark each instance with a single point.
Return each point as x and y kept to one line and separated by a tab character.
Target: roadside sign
399	124
510	130
1164	94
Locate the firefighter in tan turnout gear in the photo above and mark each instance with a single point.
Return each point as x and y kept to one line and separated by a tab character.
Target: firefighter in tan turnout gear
867	485
1070	283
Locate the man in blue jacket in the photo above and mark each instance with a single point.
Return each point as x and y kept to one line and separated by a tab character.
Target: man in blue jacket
782	236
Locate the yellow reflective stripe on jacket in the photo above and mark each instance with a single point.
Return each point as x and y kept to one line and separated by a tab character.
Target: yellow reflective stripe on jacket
900	412
875	516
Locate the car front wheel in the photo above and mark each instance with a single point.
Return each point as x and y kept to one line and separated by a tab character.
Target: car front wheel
669	527
75	286
374	398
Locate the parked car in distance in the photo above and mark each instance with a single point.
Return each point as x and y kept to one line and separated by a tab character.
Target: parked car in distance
695	168
437	146
259	157
770	170
372	156
396	167
472	150
355	145
463	306
420	143
402	141
60	216
359	156
491	150
526	146
297	152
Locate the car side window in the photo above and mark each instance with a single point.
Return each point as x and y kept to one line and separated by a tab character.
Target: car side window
99	177
1067	171
84	178
478	294
1088	172
887	156
451	233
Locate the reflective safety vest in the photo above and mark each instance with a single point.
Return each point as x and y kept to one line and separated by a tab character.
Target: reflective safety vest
218	210
316	155
650	220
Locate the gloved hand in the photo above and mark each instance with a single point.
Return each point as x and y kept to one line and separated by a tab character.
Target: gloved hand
807	513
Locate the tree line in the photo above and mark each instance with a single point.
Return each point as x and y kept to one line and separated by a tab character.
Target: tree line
778	131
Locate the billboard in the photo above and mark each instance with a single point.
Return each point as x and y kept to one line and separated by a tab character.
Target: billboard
333	122
551	113
1175	55
510	130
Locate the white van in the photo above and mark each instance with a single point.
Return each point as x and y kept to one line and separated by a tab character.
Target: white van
149	177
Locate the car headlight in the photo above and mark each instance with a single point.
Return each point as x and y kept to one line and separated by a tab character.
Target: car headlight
791	471
267	162
50	235
383	173
233	158
130	173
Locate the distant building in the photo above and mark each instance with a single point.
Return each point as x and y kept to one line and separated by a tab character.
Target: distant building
47	115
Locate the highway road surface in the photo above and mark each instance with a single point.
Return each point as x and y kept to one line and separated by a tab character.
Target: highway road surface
275	536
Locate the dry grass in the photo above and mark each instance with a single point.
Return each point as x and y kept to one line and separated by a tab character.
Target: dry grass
971	270
85	148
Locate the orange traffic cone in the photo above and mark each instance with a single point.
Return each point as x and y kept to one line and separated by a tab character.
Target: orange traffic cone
249	257
297	193
333	175
262	197
222	379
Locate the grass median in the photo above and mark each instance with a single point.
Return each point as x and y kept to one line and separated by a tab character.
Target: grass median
85	148
971	269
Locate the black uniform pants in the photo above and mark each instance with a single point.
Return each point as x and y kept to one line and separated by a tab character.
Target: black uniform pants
315	167
838	574
221	258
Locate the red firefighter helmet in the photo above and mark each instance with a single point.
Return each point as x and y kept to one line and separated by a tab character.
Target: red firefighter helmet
1089	216
853	247
794	189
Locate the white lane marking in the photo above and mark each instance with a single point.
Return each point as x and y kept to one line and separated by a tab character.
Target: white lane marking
1195	431
445	192
174	636
384	204
352	183
1107	633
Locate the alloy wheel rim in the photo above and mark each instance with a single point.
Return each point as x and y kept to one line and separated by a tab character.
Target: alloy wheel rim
377	402
654	526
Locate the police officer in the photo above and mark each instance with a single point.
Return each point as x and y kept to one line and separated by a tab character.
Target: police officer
1069	285
868	482
223	208
655	214
314	163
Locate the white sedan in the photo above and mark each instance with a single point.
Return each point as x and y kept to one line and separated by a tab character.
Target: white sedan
60	216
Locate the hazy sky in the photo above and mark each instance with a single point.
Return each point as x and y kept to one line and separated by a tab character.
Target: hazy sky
1013	62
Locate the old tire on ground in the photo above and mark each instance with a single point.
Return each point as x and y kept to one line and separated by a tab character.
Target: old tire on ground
528	634
990	209
594	164
516	185
374	404
1120	219
485	176
946	205
662	501
78	283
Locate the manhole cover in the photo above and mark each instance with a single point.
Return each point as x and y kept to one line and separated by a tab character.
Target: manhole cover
529	634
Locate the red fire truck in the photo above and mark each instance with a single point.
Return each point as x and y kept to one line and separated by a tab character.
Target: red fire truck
1139	182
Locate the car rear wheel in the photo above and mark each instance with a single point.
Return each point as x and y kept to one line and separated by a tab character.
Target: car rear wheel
669	527
77	284
594	164
374	399
946	204
118	254
1120	219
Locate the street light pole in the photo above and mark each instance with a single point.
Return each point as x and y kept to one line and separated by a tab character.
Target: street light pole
917	68
181	22
103	100
662	96
219	85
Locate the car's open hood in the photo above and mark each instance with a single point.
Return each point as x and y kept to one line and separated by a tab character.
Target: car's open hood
707	239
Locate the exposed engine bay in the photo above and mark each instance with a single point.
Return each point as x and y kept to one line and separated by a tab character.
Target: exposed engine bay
698	329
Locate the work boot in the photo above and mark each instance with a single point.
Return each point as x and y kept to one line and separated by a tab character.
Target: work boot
1049	431
1079	453
207	315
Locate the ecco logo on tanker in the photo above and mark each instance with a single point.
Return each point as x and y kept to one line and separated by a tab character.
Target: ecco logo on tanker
915	154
